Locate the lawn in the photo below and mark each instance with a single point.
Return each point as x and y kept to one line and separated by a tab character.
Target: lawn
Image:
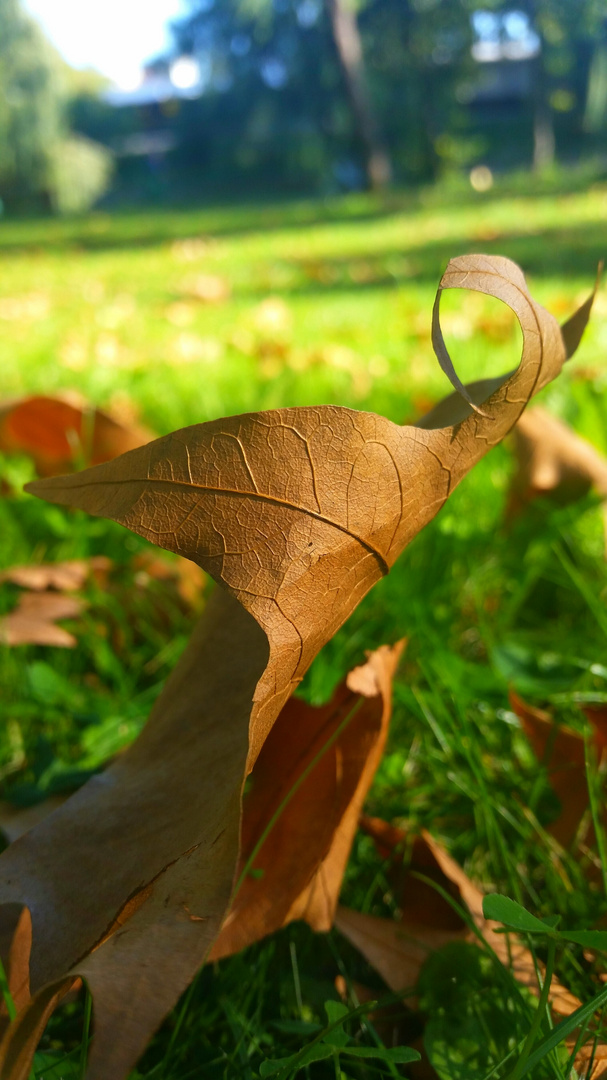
180	316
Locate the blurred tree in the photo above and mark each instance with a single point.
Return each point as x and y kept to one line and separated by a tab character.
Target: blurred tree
42	167
348	45
308	50
565	32
31	109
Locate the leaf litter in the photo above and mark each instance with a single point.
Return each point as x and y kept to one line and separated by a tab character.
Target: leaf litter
59	433
297	513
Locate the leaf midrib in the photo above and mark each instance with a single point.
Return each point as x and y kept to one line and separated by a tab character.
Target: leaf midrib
259	495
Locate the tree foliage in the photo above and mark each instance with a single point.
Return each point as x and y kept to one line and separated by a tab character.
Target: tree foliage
31	109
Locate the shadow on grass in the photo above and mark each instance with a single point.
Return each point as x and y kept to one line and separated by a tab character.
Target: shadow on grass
145	227
546	253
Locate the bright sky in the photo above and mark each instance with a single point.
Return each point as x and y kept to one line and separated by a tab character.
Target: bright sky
114	36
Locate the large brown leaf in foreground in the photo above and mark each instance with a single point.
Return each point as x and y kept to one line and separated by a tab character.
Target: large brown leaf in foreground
327	757
296	513
128	882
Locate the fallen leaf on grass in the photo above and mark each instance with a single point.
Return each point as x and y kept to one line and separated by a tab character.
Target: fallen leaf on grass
324	773
189	578
210	288
56	433
587	1056
63	576
33	621
397	949
561	750
552	459
297	513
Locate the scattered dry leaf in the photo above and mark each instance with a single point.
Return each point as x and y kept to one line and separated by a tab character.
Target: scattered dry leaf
398	949
29	308
296	513
64	576
552	459
210	288
56	433
561	750
33	621
189	577
152	839
589	1053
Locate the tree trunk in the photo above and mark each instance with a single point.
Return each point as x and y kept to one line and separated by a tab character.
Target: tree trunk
543	132
349	50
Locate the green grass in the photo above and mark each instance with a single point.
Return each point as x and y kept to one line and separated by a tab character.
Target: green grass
104	306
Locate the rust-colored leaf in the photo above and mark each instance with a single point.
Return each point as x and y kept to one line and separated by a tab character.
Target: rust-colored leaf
58	433
561	750
33	621
306	793
296	513
398	949
15	945
590	1055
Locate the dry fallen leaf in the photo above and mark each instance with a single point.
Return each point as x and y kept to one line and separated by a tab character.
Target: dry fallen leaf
210	288
324	774
597	1055
33	621
57	433
398	949
63	576
139	863
297	513
189	578
561	750
552	459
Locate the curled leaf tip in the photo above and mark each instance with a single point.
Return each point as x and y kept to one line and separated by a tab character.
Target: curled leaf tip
573	329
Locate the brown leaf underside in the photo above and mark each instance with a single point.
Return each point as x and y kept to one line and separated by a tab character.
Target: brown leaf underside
296	513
